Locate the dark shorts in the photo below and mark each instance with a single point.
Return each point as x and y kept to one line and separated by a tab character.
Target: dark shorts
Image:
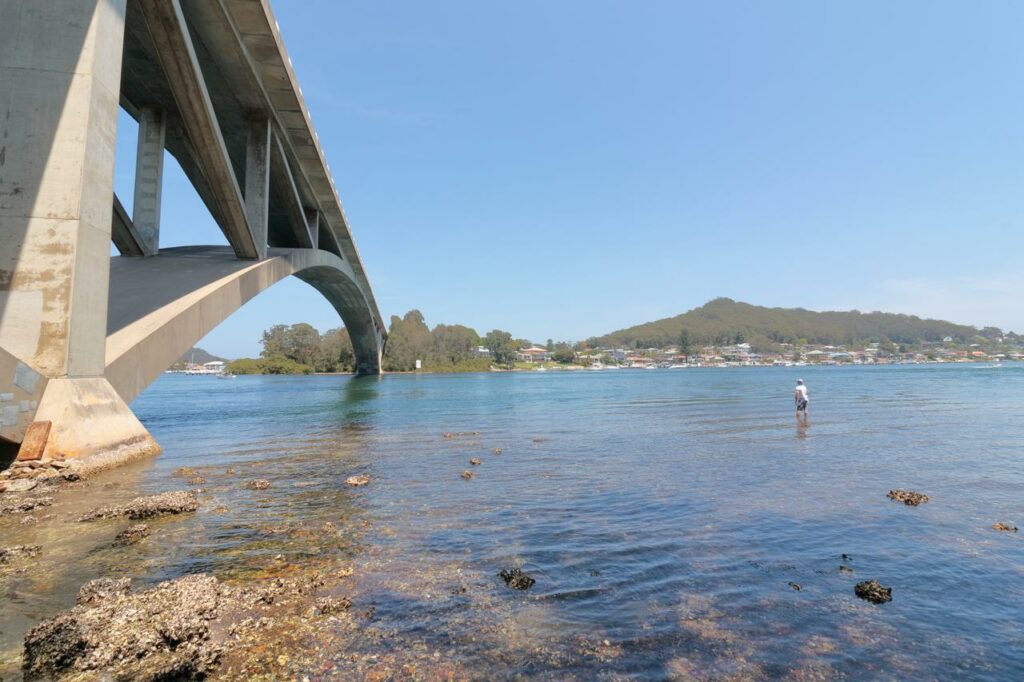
801	406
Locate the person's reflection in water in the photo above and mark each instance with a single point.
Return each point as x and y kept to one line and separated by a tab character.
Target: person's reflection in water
801	429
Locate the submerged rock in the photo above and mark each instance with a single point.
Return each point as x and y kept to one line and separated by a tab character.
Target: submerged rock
9	554
132	534
467	474
176	502
357	481
328	606
160	634
259	484
196	480
845	569
497	451
476	461
25	505
907	497
516	579
873	591
794	586
1004	527
97	590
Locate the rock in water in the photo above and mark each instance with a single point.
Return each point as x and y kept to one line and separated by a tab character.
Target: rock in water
259	484
176	502
467	475
907	497
357	481
132	534
476	461
497	451
873	591
793	586
516	579
1004	527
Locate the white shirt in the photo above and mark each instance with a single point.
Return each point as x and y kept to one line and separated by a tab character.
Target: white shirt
801	392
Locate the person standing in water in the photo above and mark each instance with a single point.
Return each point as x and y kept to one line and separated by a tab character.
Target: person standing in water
801	399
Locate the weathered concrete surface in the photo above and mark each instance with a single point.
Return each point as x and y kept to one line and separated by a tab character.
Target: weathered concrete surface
90	420
60	70
161	306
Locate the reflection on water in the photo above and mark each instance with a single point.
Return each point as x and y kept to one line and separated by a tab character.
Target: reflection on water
665	515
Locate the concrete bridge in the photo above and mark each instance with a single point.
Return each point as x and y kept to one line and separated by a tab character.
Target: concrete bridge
210	82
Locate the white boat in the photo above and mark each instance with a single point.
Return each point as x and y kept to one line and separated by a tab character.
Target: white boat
223	375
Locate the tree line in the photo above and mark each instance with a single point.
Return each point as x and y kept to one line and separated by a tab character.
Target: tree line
301	349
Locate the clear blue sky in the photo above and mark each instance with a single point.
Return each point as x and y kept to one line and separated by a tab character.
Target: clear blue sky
564	169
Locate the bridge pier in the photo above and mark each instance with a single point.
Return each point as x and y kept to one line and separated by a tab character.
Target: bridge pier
82	334
60	66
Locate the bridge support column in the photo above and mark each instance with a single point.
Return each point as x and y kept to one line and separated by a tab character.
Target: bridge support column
257	183
60	65
149	174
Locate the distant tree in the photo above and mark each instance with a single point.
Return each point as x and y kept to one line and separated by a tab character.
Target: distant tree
301	343
685	344
335	353
409	340
274	341
563	354
503	348
550	345
453	344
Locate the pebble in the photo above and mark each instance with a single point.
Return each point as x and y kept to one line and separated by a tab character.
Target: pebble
259	484
357	481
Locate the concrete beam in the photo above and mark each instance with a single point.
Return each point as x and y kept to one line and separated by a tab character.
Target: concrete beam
178	58
257	182
149	173
123	233
282	174
313	227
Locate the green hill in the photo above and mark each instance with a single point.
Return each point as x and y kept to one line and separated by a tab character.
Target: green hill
724	321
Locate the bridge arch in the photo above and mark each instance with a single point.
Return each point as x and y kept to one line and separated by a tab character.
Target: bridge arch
162	306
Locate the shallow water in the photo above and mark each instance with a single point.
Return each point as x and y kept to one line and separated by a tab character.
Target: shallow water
662	513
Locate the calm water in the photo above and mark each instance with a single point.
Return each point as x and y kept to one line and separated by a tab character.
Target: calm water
662	513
